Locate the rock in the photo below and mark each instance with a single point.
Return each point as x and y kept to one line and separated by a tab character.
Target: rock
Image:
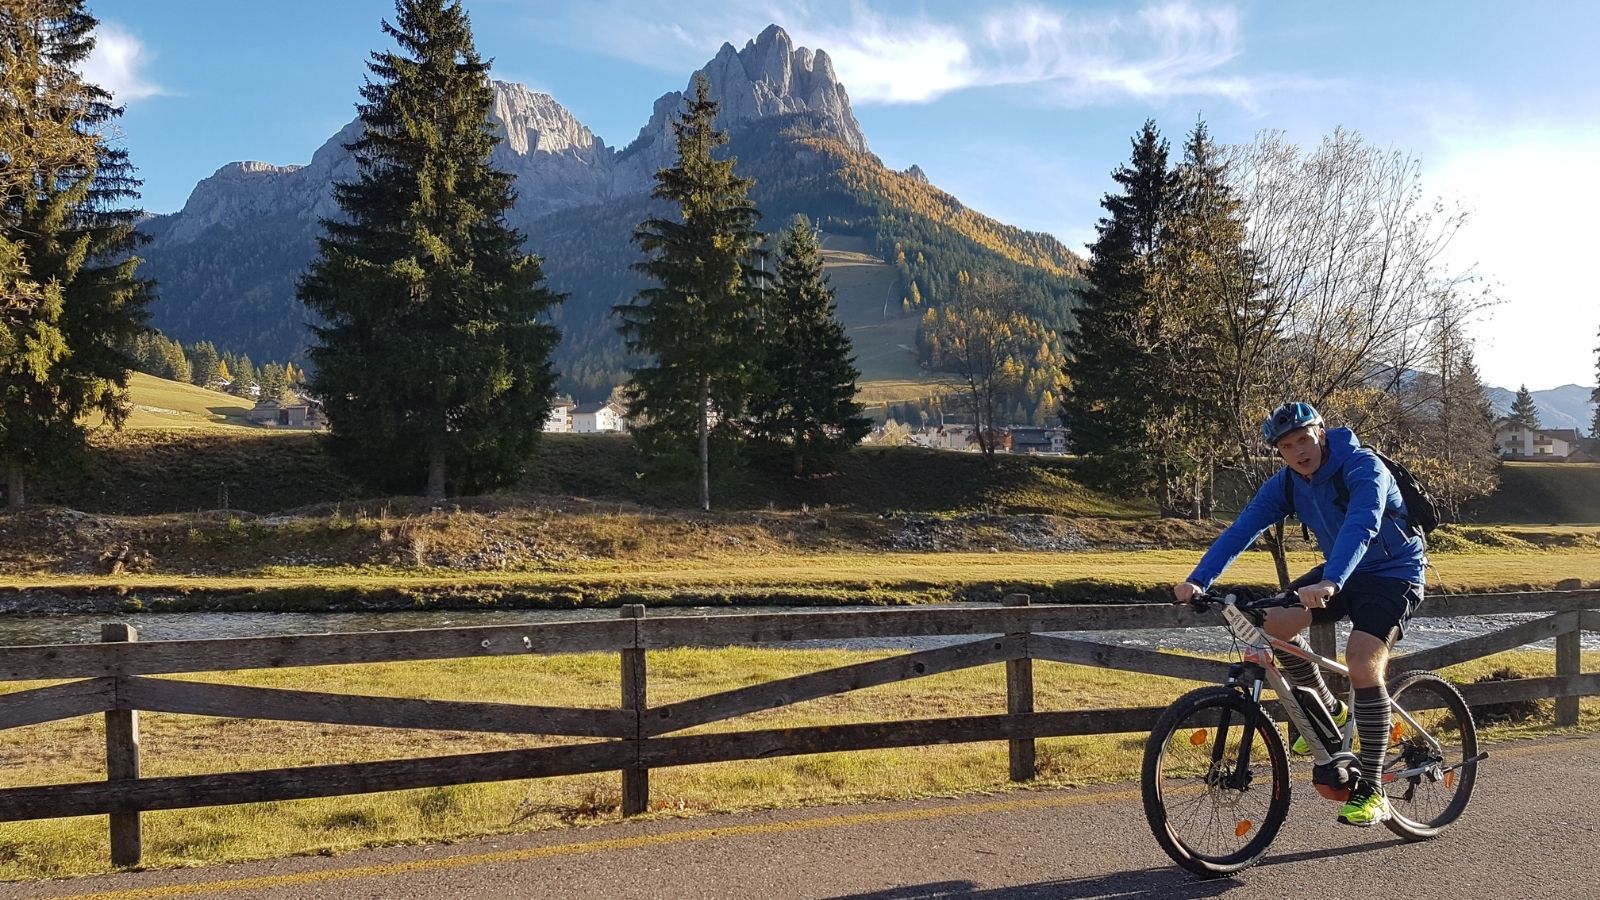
769	77
1570	584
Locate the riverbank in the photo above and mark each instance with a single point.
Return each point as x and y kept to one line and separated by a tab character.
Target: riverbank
175	745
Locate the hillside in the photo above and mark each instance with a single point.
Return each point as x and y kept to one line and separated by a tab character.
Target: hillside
165	405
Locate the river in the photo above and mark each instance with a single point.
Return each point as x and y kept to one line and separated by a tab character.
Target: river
20	629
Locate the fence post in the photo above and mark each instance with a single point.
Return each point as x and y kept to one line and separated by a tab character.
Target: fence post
1569	664
635	781
122	759
1325	642
1019	699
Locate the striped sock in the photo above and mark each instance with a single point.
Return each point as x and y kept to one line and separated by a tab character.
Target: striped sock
1372	725
1305	674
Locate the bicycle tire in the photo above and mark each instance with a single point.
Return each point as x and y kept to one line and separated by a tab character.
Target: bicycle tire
1422	806
1179	741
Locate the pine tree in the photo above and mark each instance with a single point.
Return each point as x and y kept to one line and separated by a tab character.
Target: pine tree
1594	397
700	323
204	363
806	396
1110	396
434	363
1524	412
72	303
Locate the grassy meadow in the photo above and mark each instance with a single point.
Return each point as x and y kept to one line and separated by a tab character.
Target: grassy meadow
173	745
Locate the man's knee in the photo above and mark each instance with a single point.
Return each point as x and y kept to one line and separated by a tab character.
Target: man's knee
1367	657
1285	623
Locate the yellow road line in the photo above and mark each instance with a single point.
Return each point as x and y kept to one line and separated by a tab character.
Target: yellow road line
412	867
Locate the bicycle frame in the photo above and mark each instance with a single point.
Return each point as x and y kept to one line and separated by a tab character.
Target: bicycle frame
1259	656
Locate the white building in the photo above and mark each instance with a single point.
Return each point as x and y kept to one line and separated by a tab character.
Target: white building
1515	442
560	418
604	416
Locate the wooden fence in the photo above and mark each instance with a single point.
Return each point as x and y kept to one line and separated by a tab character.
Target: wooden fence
112	678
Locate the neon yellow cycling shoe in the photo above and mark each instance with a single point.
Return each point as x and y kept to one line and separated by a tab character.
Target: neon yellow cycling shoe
1302	747
1367	807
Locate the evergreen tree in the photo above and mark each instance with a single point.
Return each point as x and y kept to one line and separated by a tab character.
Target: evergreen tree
806	395
700	323
204	363
72	303
1594	426
434	363
1524	412
244	377
1111	396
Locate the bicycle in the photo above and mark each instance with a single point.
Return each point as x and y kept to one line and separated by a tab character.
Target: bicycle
1215	777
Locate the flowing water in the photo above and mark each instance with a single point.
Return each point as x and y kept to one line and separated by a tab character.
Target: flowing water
24	629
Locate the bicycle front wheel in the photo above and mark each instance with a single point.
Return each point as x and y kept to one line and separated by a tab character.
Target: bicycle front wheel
1213	805
1430	770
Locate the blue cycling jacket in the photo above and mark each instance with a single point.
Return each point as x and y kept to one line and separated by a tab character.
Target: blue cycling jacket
1369	536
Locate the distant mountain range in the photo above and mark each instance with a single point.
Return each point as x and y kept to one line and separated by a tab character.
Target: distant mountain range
1567	406
227	263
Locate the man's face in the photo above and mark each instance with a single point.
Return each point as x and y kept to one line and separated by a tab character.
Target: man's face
1302	450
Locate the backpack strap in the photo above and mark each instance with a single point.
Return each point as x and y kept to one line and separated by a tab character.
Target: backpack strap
1288	500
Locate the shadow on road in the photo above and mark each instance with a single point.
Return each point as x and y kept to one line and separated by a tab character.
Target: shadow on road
1141	884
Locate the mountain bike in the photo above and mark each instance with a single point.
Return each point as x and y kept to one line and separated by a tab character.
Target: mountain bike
1216	774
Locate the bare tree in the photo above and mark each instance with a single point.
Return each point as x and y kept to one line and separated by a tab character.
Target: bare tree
977	339
1338	291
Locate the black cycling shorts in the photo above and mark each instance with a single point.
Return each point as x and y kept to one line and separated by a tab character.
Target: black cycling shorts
1380	607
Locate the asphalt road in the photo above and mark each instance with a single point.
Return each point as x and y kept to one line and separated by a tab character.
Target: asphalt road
1533	830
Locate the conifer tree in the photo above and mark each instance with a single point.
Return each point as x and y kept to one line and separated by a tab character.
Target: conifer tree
699	325
1110	395
72	304
434	362
1524	412
1594	397
806	395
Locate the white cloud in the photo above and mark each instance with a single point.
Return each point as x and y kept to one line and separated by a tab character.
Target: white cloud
1530	233
117	63
1163	50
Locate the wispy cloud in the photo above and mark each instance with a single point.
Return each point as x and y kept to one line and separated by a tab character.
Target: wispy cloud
1071	57
117	65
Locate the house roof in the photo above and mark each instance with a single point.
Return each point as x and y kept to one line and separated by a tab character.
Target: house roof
591	408
1570	435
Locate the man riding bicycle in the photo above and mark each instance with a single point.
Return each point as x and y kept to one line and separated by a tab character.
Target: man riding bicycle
1372	572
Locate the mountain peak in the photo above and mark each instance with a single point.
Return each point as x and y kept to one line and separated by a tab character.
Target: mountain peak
769	77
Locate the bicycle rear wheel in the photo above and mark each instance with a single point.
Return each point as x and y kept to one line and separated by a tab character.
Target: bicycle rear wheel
1213	809
1429	783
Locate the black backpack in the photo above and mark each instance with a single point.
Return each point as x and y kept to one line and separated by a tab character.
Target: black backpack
1422	511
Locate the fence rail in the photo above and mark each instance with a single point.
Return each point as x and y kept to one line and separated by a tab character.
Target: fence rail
113	678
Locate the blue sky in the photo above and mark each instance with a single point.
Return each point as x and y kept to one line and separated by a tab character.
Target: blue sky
1019	109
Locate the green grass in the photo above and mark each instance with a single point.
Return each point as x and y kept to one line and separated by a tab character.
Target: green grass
173	405
883	337
173	745
1542	492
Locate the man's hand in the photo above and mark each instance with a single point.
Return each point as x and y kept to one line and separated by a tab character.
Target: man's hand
1185	591
1316	596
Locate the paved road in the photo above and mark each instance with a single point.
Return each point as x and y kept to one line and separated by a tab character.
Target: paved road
1533	830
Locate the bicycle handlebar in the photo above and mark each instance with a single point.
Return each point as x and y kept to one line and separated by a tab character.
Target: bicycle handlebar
1206	600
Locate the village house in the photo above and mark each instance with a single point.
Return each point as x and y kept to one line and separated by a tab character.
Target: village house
560	418
1038	440
274	414
591	418
1515	442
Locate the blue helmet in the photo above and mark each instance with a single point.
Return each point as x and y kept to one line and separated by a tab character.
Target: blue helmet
1287	418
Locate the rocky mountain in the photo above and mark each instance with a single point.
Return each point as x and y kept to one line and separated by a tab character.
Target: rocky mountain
1567	406
228	261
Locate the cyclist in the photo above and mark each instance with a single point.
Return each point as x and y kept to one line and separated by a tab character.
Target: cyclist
1372	572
